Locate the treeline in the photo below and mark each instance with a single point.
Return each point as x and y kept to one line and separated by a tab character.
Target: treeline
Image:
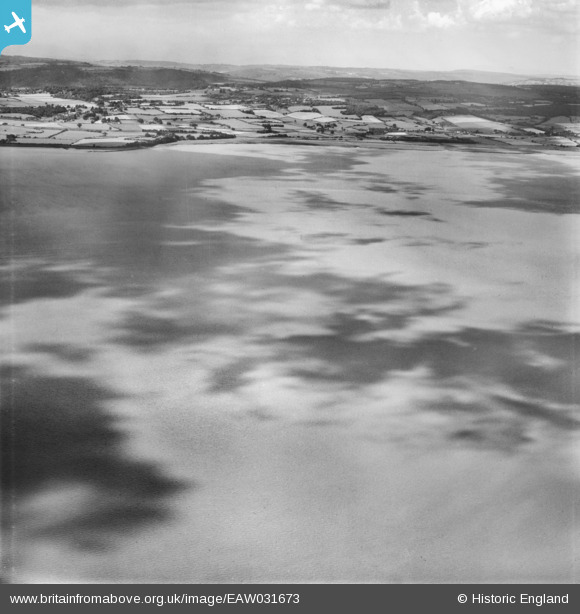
100	80
49	110
78	93
91	93
365	109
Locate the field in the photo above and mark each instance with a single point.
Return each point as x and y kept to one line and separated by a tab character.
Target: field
172	104
39	99
472	122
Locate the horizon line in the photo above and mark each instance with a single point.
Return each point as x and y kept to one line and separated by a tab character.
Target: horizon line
343	67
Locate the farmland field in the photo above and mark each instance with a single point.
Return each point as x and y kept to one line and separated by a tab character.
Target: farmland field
472	122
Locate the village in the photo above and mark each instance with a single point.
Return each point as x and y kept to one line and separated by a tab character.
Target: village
132	118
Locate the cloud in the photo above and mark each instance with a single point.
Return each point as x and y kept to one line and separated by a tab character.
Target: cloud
419	15
432	14
124	3
499	9
531	14
363	4
529	36
399	14
437	20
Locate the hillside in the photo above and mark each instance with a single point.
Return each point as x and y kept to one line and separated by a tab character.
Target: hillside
277	72
17	71
169	74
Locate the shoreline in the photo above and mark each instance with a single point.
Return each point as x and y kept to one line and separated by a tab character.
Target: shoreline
351	144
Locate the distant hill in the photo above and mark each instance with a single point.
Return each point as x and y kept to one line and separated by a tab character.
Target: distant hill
359	88
16	62
18	71
22	71
281	72
566	81
277	72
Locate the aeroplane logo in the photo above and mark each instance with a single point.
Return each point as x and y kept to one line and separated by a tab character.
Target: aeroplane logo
17	23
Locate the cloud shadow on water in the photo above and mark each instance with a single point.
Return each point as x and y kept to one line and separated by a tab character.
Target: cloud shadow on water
493	387
403	213
150	332
31	281
65	473
318	201
62	351
548	188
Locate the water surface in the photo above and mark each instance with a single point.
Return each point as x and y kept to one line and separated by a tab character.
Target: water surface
252	363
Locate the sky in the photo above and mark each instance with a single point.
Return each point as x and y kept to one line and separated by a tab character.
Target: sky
517	36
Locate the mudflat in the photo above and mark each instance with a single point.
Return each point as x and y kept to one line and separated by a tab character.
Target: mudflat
261	362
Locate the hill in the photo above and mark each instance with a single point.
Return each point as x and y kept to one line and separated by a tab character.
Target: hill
279	72
17	71
270	73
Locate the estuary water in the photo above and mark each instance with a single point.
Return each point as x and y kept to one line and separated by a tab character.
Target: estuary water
257	363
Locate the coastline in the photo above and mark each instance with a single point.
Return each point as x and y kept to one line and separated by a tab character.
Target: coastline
317	142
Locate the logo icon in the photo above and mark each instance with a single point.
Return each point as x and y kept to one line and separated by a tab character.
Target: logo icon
15	18
17	22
